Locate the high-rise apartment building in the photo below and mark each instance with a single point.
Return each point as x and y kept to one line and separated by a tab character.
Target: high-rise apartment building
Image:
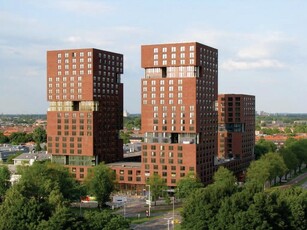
236	120
179	119
85	111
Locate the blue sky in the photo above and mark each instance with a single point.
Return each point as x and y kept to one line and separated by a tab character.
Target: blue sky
262	44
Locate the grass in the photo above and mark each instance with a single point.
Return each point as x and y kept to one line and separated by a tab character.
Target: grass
301	182
159	213
141	220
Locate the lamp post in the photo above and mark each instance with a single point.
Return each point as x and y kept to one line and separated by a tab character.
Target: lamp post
168	222
124	210
173	211
149	201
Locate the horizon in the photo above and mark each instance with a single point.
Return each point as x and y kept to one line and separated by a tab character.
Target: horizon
259	54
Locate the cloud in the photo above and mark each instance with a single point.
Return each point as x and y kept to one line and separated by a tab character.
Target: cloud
232	65
258	51
81	6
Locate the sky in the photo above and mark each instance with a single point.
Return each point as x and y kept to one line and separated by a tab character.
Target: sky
262	45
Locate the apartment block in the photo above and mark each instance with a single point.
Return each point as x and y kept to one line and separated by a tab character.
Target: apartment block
85	111
179	118
236	135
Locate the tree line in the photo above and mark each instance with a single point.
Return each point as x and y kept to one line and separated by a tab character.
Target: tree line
42	198
290	131
38	135
226	204
293	153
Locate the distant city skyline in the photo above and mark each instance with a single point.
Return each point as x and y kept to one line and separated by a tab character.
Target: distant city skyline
262	45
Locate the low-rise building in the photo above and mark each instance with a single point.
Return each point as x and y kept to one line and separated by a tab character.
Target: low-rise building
30	158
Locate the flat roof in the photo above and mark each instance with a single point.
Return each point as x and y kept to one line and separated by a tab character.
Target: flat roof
125	164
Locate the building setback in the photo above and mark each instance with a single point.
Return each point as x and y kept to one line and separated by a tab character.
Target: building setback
85	111
179	119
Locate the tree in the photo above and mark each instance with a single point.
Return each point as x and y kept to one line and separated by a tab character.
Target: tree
232	207
256	176
290	160
42	178
157	187
187	185
299	148
289	142
3	139
275	164
267	168
225	180
38	147
125	136
5	184
21	210
39	135
42	191
260	150
201	207
63	218
100	183
97	220
268	144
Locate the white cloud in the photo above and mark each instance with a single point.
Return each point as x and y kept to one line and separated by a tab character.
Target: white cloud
232	65
82	6
254	52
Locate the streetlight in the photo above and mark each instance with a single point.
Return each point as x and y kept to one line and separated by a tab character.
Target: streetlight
168	222
124	210
173	211
149	200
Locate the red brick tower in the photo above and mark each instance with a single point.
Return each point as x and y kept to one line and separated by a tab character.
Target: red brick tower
85	111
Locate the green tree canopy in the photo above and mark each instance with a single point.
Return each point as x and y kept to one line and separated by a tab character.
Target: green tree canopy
225	180
260	150
268	144
267	168
200	208
187	185
5	184
40	179
64	218
39	135
299	148
157	187
290	159
105	220
100	183
3	139
276	165
20	137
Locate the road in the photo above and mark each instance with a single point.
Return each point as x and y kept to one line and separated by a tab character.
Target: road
162	223
160	219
